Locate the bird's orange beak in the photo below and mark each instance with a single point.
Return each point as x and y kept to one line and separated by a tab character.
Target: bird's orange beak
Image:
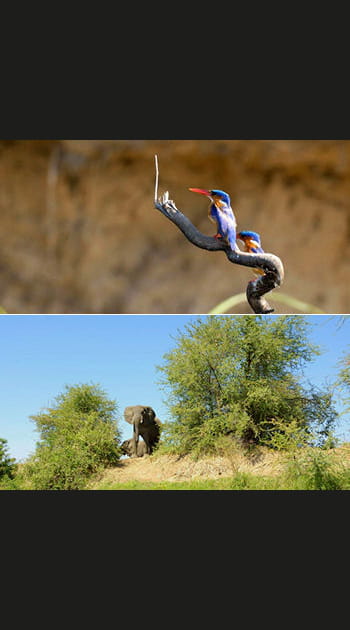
201	191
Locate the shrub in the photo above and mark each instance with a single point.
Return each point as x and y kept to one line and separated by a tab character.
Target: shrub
7	464
312	469
79	437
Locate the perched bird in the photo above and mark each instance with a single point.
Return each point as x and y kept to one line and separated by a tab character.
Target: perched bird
221	213
252	245
251	240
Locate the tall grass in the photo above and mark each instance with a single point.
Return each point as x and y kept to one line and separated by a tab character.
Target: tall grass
314	479
309	469
240	481
315	470
303	469
241	298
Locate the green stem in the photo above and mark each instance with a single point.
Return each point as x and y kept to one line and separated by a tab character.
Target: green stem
240	298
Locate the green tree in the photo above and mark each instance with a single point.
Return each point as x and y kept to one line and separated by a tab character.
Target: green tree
344	379
79	436
344	374
7	464
242	375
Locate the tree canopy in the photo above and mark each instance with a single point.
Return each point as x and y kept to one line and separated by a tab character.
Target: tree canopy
78	435
243	376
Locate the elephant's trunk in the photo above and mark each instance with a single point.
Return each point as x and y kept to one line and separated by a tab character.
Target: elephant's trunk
136	436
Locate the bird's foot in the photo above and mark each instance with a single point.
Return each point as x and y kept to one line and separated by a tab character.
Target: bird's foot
167	203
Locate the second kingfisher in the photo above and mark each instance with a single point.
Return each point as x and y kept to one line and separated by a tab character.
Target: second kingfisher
252	245
221	213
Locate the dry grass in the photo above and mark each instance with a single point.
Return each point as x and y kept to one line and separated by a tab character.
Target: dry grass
160	468
170	468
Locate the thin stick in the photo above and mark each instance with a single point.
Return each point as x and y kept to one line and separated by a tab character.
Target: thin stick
156	185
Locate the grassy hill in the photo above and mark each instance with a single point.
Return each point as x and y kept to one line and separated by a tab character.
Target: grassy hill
228	469
311	469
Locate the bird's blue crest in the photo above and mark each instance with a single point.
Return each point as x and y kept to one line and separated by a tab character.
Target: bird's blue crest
224	196
254	235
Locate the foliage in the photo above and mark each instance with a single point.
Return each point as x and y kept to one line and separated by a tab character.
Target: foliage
312	469
343	381
11	483
78	436
7	464
242	376
344	375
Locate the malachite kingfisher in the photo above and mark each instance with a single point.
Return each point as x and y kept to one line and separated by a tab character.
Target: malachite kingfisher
221	213
252	245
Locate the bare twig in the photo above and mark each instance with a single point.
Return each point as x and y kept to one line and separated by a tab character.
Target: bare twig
156	184
269	263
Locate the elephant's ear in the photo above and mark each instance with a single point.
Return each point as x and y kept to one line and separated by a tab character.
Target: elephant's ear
128	415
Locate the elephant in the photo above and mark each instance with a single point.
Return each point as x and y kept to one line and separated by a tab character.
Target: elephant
146	424
127	448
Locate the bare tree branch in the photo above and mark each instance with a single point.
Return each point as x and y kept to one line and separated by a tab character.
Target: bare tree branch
269	263
156	183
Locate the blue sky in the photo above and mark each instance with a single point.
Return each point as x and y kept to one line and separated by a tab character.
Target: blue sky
43	353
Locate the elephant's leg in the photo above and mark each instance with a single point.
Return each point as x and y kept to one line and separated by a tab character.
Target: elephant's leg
148	444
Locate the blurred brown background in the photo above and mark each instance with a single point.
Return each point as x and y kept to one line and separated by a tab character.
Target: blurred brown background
79	233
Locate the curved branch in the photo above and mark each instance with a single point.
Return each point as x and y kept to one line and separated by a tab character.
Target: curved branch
269	263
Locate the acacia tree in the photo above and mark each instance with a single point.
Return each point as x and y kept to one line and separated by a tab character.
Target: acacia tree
79	435
242	375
